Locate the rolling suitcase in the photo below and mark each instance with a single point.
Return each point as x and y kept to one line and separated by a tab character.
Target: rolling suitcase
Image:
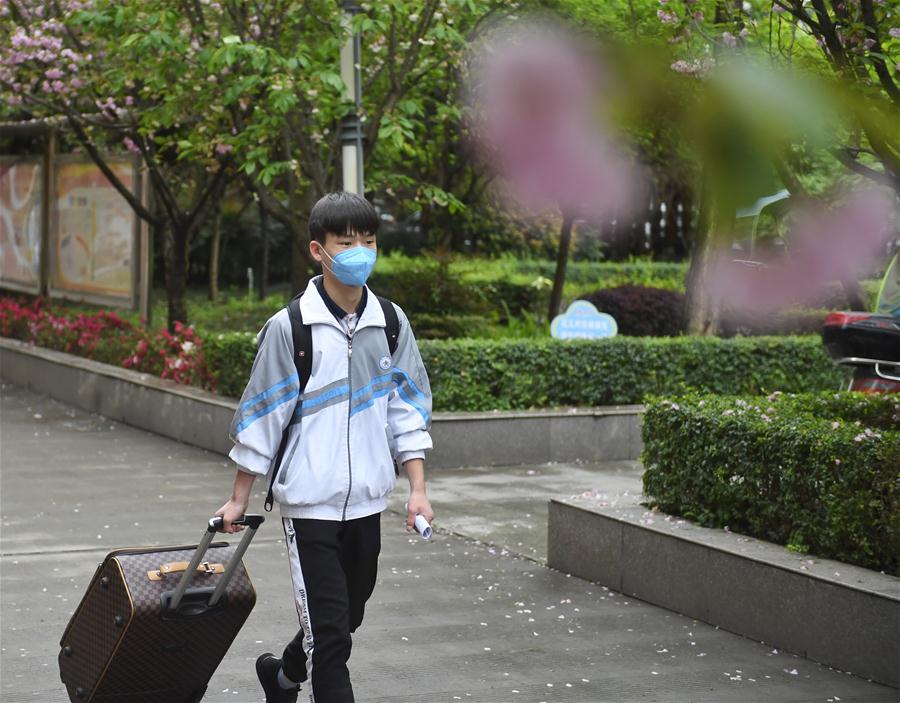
155	623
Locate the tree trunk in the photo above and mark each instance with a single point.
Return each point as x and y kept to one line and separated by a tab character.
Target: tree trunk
701	311
562	259
855	297
264	265
300	258
175	241
299	266
214	250
716	216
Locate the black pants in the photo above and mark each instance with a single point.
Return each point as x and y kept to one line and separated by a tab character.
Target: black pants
333	567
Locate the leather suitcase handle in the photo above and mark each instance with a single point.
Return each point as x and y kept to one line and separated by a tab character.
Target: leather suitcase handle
252	522
176	567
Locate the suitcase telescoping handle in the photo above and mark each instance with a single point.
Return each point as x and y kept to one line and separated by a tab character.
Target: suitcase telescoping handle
214	525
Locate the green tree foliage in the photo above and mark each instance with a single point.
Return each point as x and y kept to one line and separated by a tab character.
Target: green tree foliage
208	92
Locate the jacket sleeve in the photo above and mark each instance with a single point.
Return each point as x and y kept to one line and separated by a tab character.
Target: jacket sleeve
269	399
409	405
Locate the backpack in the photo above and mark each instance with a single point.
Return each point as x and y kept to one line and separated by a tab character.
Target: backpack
302	337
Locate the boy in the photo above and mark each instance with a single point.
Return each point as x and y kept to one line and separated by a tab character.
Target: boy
360	409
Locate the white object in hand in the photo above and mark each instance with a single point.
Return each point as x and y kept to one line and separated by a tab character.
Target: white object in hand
422	527
421	524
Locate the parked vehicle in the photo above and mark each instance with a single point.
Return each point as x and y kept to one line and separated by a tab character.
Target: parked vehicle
870	342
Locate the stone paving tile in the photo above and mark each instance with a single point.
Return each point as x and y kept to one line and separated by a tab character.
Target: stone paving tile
453	619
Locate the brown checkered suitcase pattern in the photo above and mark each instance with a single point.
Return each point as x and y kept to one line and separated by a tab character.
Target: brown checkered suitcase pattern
120	645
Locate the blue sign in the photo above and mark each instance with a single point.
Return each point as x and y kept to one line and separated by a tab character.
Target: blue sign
583	321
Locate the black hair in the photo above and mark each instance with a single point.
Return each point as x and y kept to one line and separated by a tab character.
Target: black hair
342	213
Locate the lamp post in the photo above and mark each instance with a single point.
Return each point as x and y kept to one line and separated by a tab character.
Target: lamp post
351	125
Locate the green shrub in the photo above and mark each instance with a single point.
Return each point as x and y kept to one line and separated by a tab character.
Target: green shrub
233	313
511	374
470	286
592	274
817	473
789	321
424	286
642	311
428	326
230	355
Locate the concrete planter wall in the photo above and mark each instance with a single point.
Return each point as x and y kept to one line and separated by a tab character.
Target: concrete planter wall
202	419
837	614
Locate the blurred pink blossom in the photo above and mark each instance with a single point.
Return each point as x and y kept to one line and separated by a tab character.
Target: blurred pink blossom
130	145
697	67
667	17
824	246
533	98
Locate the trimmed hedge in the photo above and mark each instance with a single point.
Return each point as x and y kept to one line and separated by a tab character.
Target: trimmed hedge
815	472
513	374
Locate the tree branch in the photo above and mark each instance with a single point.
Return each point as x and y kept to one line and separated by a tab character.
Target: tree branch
845	156
211	193
98	159
309	11
75	40
828	33
399	87
881	70
788	177
163	191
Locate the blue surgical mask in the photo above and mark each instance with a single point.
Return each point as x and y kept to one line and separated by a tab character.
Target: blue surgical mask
353	266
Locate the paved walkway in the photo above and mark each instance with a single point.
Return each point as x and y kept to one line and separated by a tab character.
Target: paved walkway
454	619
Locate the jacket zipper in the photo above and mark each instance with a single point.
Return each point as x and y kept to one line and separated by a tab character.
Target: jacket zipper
349	408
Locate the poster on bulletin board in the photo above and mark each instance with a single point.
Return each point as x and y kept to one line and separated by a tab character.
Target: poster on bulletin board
20	223
93	233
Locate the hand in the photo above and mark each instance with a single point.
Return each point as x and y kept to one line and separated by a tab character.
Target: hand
418	505
231	511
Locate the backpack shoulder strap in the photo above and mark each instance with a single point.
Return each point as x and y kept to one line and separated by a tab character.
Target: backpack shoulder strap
392	323
301	335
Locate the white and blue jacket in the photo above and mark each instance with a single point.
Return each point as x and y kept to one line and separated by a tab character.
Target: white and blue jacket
359	410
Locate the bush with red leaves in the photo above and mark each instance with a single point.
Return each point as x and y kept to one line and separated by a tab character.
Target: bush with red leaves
104	336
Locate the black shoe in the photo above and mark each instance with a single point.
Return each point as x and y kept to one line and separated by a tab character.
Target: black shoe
267	667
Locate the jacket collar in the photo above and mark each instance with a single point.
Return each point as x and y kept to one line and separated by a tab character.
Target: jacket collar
316	312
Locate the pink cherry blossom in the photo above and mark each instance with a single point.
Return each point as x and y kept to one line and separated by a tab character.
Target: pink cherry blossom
667	17
130	145
824	246
533	95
